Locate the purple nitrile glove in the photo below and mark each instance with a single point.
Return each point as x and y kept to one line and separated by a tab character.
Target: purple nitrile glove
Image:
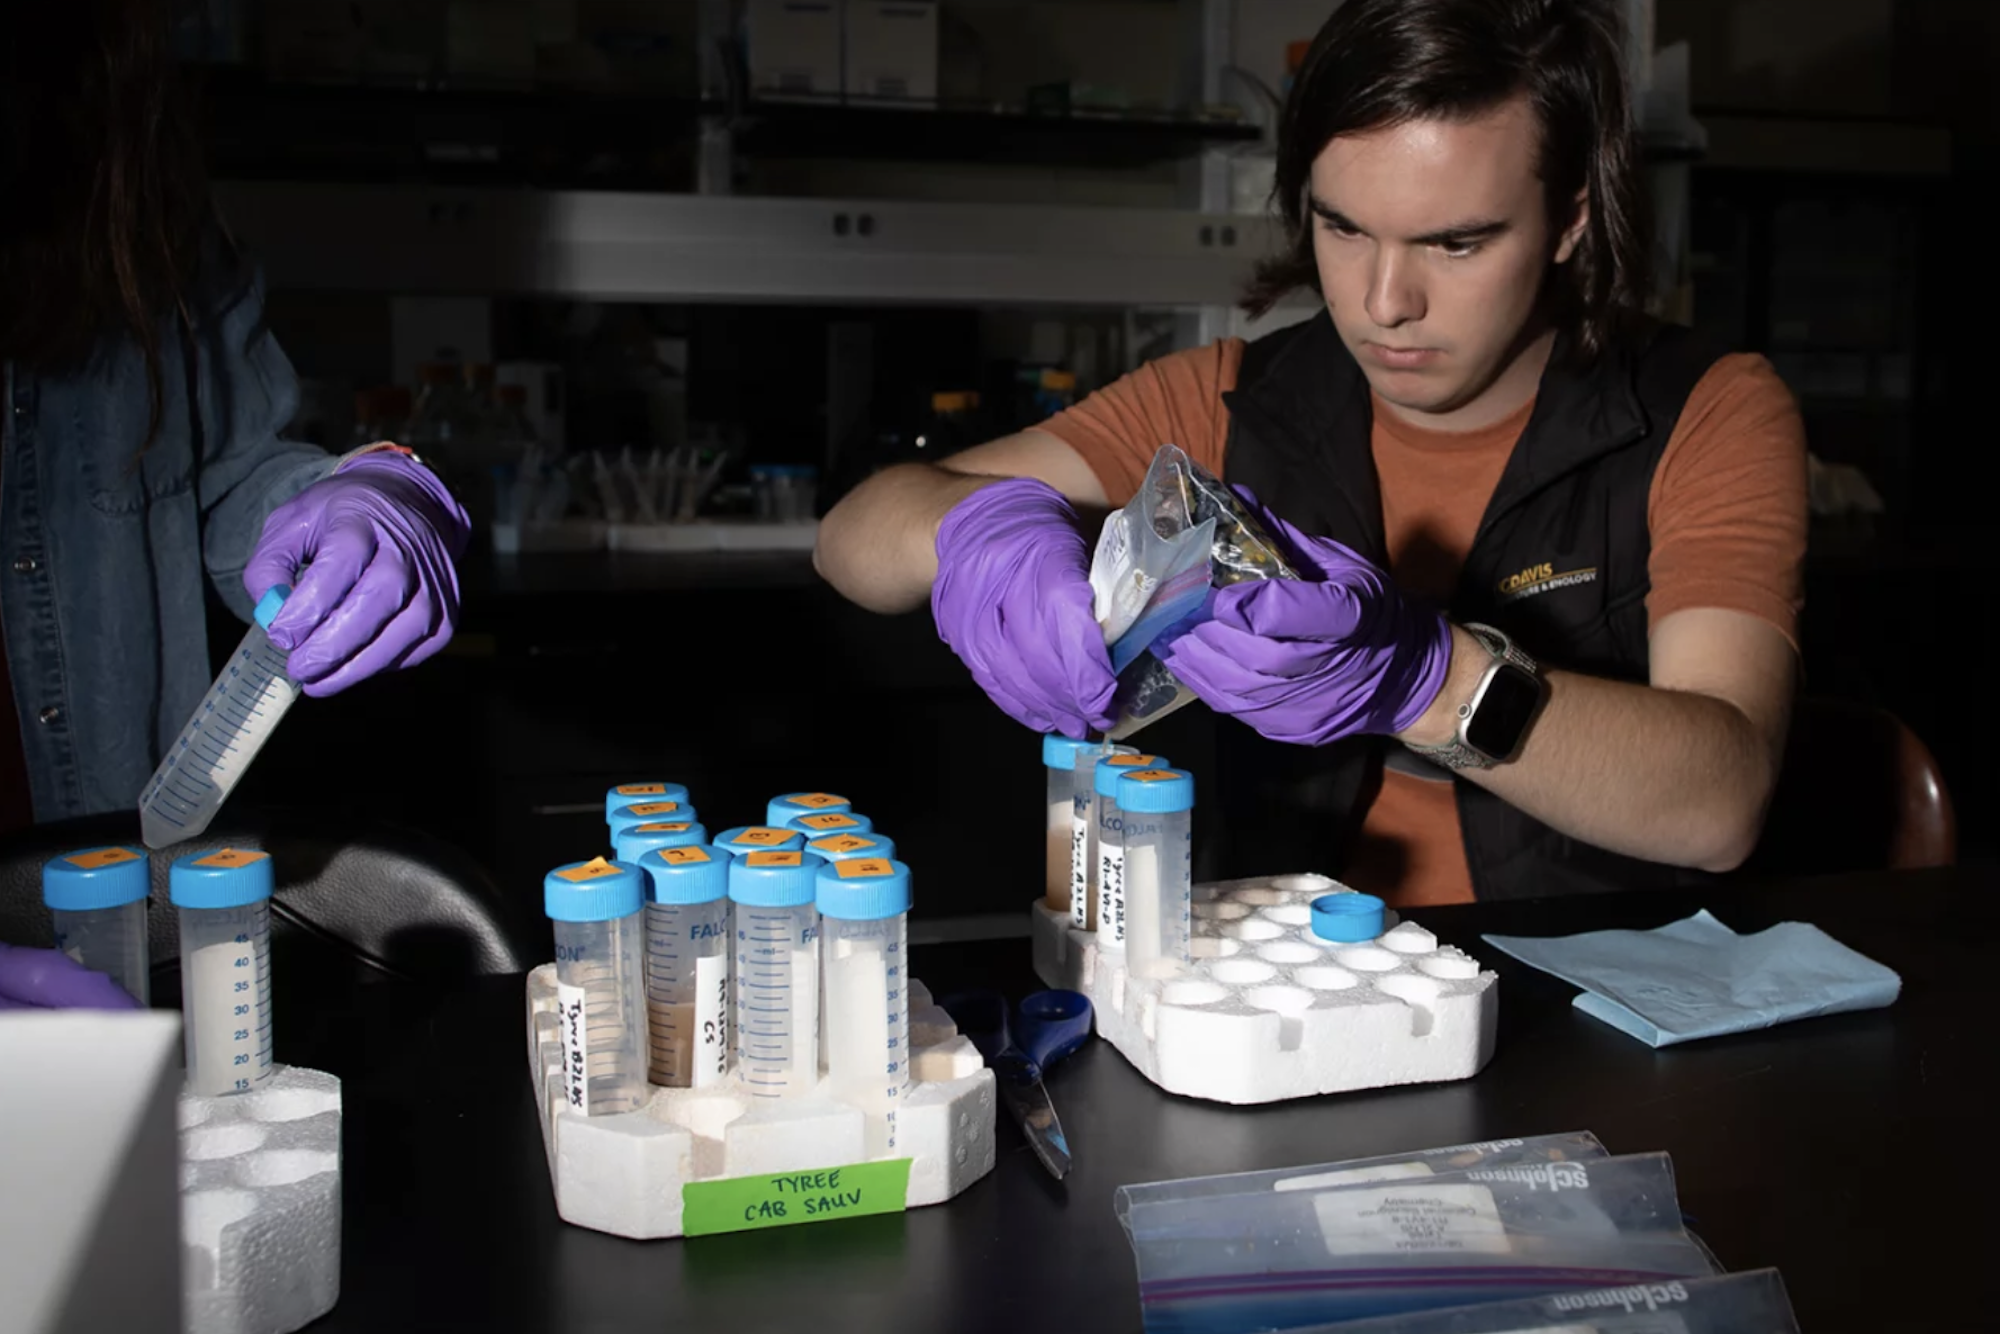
1337	653
51	980
1013	600
376	542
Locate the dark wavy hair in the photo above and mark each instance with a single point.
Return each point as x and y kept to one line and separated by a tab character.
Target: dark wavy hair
106	200
1381	63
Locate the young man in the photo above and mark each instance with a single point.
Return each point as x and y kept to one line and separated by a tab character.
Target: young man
1551	548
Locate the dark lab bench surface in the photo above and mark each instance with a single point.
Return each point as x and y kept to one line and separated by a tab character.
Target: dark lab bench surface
1847	1150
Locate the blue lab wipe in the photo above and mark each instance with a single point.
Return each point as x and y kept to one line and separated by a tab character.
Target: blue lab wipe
1696	978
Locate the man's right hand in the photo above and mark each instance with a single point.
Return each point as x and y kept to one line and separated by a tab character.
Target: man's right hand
50	980
1012	598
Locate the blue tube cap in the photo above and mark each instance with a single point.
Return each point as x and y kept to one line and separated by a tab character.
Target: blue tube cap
773	879
840	847
784	808
663	811
96	878
632	794
830	822
1059	751
225	878
1348	918
1154	791
270	605
759	838
864	889
1114	767
593	891
685	875
635	841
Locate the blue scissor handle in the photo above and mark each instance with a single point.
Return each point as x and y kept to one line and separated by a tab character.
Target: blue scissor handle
1052	1025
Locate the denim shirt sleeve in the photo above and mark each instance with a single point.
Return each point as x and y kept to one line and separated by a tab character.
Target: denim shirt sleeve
248	393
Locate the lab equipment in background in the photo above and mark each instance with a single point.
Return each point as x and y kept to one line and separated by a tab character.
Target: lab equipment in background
633	794
954	423
746	839
841	847
784	492
224	898
635	841
650	812
777	972
97	899
864	906
1083	901
1109	888
823	823
234	720
1156	808
1059	761
781	809
541	384
597	911
1049	1026
687	964
380	414
890	51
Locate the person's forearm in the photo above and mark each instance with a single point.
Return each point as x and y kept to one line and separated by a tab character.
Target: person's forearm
1666	775
878	546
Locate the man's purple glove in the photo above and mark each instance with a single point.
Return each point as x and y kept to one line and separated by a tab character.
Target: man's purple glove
1334	654
1013	600
375	542
51	980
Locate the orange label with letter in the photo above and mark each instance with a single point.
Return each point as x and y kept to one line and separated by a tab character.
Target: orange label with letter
642	790
661	828
774	859
831	820
594	869
861	867
103	857
841	843
763	836
817	800
655	808
1153	776
690	856
1136	761
230	858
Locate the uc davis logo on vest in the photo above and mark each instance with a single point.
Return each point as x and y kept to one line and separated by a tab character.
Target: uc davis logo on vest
1538	579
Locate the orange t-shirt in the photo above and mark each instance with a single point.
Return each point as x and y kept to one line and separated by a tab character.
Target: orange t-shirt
1726	516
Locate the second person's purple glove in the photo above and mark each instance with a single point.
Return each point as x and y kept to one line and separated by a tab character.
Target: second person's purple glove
1013	600
1309	661
375	542
50	980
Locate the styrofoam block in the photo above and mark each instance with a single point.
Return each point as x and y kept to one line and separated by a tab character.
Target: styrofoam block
623	1174
1266	1010
930	1025
260	1205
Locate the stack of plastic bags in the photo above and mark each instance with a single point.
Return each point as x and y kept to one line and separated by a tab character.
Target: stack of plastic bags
1542	1234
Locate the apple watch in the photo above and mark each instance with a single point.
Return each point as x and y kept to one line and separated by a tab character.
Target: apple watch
1494	722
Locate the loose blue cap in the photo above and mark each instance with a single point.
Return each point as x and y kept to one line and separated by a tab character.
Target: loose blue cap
631	794
784	808
663	810
1059	751
594	891
818	824
271	604
635	841
688	874
1159	791
759	838
1106	775
840	847
1348	918
96	878
762	879
221	878
866	889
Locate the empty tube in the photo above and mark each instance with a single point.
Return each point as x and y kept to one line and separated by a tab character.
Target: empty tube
597	911
1156	814
777	972
97	899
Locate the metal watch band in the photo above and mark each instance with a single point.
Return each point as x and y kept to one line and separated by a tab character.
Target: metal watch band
1455	754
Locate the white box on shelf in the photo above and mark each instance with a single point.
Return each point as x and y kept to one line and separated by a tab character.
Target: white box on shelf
892	51
793	47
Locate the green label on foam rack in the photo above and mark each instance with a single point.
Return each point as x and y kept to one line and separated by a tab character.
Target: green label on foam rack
737	1204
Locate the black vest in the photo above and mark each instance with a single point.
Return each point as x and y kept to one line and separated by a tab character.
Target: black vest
1559	563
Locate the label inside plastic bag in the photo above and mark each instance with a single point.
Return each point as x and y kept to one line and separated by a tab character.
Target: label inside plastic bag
1355	1176
1405	1220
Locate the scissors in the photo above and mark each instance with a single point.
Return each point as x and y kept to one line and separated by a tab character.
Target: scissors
1048	1026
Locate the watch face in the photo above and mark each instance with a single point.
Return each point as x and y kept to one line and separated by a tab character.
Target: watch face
1502	716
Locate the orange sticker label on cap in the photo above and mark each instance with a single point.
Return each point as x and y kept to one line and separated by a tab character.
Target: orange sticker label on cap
641	790
763	836
1139	761
103	857
830	820
655	808
230	858
594	869
690	856
774	859
817	800
841	843
860	867
1152	776
661	828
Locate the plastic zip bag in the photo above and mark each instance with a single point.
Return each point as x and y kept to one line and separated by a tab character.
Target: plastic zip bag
1753	1302
1148	573
1234	1264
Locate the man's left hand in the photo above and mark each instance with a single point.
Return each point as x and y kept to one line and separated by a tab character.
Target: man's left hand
1309	661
